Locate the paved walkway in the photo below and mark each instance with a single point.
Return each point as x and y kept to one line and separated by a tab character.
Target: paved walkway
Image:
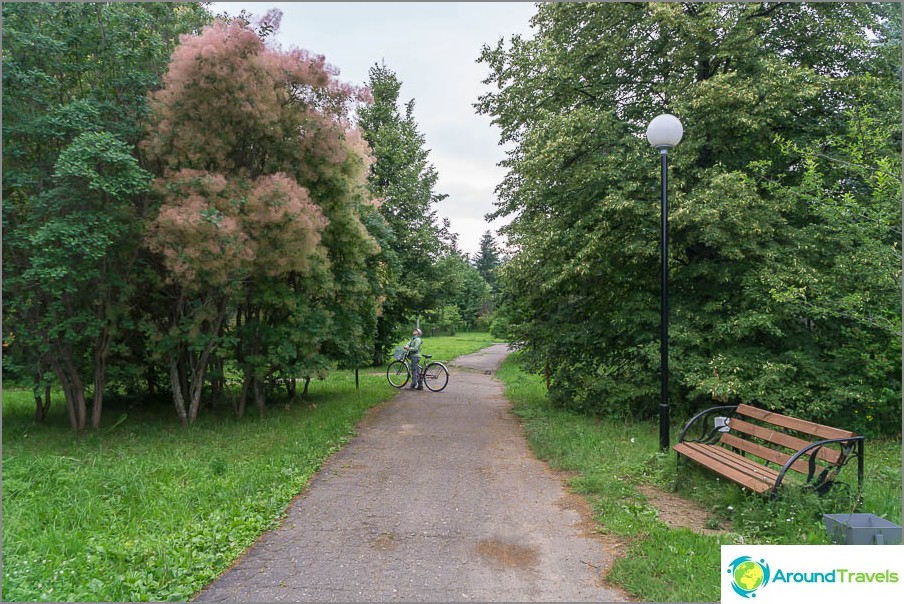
438	499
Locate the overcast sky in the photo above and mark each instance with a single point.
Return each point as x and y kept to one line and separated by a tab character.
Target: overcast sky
433	49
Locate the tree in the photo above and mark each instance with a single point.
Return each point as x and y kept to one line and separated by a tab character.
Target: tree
261	180
487	260
403	179
75	77
761	88
475	296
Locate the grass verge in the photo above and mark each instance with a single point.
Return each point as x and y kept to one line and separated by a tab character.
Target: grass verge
610	459
446	348
144	510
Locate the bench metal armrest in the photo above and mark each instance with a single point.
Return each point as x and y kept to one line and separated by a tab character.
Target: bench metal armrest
707	434
848	445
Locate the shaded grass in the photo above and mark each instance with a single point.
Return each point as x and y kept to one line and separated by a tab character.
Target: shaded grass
147	510
609	458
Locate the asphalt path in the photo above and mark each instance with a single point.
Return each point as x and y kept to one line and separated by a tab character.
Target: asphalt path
438	499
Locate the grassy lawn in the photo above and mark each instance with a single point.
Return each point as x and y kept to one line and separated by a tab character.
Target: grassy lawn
146	510
611	459
446	348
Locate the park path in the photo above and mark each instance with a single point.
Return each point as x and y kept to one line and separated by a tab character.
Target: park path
437	499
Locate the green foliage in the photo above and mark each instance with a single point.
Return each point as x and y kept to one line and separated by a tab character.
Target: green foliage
75	81
258	247
487	259
414	260
445	320
262	217
784	251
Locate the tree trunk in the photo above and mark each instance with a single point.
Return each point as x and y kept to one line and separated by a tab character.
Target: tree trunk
64	368
307	382
178	399
42	404
259	396
68	395
216	383
199	364
101	352
379	357
182	368
243	397
151	379
196	381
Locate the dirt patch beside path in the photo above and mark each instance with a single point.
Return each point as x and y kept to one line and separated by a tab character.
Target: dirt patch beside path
676	511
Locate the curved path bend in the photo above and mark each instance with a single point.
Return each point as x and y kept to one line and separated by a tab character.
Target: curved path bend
437	499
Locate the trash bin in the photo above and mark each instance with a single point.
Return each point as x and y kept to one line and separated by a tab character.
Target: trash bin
861	529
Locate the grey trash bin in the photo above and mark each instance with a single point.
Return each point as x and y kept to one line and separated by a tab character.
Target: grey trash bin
861	529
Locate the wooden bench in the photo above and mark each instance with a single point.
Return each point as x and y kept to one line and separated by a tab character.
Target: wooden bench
758	449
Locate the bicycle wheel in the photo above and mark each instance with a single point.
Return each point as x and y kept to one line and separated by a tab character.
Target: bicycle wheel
397	373
436	376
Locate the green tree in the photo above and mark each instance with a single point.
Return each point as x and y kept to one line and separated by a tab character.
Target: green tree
487	258
475	297
403	180
760	88
262	183
75	78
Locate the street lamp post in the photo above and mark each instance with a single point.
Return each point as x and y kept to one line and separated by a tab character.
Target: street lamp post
663	133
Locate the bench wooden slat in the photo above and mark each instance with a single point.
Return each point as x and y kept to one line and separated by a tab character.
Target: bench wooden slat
731	465
793	423
776	457
758	444
780	438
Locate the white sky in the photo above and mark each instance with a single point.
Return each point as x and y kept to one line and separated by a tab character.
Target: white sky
433	49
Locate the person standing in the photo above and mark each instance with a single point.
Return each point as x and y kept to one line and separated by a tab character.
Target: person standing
414	353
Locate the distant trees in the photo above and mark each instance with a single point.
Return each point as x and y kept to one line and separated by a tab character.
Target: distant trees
785	255
488	259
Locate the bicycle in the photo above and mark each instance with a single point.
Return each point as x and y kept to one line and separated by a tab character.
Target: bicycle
434	375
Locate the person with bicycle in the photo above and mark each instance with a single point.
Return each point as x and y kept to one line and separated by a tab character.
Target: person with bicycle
413	347
407	366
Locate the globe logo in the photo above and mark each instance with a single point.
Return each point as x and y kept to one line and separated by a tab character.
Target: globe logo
748	575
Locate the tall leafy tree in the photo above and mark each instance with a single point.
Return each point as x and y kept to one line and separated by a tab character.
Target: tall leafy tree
75	78
261	180
757	232
404	181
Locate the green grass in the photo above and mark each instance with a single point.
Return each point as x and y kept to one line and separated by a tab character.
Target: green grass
446	348
609	459
147	510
